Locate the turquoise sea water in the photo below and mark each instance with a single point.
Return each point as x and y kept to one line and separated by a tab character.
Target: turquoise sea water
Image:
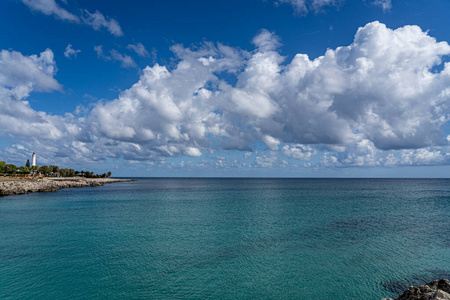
226	239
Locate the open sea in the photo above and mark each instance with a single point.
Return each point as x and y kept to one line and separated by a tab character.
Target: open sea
226	239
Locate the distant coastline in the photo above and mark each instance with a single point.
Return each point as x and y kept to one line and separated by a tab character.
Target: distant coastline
16	186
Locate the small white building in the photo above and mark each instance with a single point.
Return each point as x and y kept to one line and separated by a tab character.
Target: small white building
33	160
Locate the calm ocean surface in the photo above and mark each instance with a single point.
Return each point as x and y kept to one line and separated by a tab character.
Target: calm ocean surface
226	239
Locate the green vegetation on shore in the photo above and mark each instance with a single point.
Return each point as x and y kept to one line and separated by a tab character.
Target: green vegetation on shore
47	171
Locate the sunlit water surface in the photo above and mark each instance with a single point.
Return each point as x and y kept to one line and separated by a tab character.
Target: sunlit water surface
226	239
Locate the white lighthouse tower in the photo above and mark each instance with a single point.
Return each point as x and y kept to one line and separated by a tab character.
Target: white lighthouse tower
33	160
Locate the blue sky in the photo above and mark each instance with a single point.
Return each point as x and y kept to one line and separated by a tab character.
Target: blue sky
296	88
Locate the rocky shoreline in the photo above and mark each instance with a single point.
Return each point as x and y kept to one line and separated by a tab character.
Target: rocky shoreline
25	186
435	290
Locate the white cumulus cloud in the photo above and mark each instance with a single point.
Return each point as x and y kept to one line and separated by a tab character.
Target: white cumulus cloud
50	7
381	88
380	101
96	20
69	52
21	74
302	7
385	4
139	49
126	61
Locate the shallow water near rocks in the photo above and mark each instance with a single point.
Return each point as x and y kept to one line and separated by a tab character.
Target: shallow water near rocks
226	239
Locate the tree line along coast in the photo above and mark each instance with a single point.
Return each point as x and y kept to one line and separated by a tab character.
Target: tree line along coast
45	171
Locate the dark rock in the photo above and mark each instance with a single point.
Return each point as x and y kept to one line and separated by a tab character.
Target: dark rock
398	286
435	290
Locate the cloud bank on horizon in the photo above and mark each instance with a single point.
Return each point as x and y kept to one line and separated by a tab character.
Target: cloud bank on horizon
381	101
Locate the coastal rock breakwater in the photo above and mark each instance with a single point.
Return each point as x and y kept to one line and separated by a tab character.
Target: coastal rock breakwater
24	186
435	290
